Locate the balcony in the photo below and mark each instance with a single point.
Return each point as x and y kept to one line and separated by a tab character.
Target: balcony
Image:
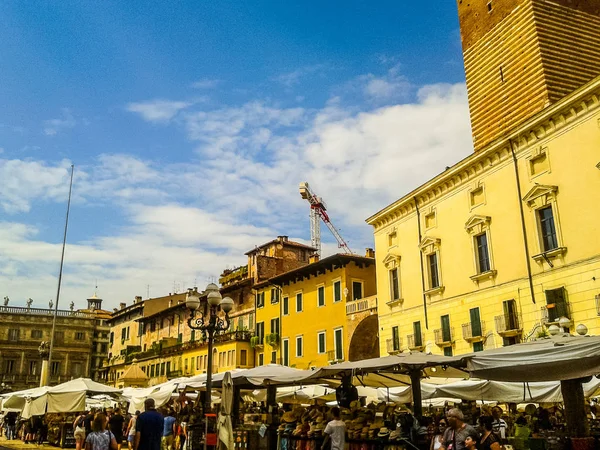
444	336
554	311
474	332
363	304
44	312
509	325
416	342
331	357
393	346
231	276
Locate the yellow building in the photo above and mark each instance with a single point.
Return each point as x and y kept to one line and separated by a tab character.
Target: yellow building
500	246
309	316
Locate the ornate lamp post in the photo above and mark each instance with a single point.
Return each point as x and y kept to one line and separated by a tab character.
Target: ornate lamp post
210	325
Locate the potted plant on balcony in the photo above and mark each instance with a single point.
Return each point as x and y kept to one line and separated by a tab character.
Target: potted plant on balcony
272	339
255	341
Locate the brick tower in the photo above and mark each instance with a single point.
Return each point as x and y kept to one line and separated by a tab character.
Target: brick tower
522	55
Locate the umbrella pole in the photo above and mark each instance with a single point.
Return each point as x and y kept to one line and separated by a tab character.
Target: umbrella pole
272	409
415	382
574	400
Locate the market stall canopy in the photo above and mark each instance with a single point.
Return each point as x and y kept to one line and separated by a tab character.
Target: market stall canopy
83	385
271	374
562	357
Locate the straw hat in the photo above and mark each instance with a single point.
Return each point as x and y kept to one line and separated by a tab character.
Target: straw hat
289	417
384	432
394	435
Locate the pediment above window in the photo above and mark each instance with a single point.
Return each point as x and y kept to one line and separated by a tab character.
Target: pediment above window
540	195
391	261
430	245
477	224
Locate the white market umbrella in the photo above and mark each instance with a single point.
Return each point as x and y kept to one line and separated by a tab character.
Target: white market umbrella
225	427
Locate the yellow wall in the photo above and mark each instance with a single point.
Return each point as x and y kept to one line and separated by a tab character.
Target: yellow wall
571	144
313	318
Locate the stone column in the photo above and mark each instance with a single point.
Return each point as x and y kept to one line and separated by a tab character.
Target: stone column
44	350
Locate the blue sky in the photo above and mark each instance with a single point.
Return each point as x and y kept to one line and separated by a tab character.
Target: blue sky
190	125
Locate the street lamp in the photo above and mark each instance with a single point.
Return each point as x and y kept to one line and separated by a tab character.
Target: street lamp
210	325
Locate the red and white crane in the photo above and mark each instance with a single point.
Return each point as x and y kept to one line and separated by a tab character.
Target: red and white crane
318	212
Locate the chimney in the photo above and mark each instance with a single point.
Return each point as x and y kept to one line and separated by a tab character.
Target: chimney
370	253
313	258
122	305
138	298
282	238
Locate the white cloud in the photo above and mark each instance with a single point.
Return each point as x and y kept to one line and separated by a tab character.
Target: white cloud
206	83
54	126
158	110
392	86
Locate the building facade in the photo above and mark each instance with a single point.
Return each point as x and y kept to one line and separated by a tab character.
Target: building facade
502	245
309	316
22	329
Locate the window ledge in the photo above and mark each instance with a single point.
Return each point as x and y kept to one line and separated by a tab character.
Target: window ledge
559	251
434	291
489	274
394	302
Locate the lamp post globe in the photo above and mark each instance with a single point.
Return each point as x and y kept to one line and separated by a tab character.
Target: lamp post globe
214	298
192	300
564	323
211	287
227	304
553	330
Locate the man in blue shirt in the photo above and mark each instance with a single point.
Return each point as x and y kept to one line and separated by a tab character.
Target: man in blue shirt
149	428
169	431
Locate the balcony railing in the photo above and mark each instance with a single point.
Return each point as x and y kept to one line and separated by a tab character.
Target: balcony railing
393	346
444	336
331	357
554	311
360	305
473	331
44	312
508	325
414	343
230	276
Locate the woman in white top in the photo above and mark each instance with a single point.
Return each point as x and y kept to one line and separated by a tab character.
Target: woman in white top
131	430
436	441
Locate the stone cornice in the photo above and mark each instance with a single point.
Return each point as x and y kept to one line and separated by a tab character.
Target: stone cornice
548	122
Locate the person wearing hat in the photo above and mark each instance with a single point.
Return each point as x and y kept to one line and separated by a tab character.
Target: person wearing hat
335	431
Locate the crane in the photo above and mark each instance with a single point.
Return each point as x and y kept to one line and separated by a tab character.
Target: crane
318	212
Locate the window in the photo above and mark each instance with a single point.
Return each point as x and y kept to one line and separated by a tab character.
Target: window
261	359
123	333
299	346
55	368
275	295
556	304
250	321
418	334
285	351
337	291
321	296
13	334
395	339
79	336
152	371
260	299
394	284
392	239
198	363
275	326
168	368
338	340
475	322
185	365
152	327
274	357
447	351
36	334
286	306
357	290
193	335
489	6
240	324
321	342
243	357
446	333
76	369
483	255
434	277
511	322
140	329
33	367
299	302
547	229
9	366
260	332
477	346
112	337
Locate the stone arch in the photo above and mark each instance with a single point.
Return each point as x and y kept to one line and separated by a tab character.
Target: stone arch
364	342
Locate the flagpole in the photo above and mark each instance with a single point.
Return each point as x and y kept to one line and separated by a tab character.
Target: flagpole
62	259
